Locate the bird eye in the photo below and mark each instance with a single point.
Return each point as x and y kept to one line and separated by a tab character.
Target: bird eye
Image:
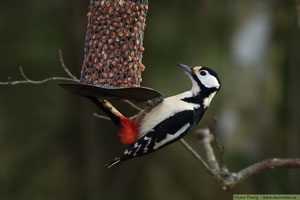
202	73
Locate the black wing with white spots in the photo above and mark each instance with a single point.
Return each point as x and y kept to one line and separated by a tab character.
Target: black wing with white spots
165	133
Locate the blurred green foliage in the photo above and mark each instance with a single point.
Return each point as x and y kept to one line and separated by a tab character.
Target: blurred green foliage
51	147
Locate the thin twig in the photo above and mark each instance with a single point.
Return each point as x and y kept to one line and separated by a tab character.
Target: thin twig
133	105
29	81
64	66
188	147
101	116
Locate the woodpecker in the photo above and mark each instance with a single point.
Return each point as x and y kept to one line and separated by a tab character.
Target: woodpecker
167	121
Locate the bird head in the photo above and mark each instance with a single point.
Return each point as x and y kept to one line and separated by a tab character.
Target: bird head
203	78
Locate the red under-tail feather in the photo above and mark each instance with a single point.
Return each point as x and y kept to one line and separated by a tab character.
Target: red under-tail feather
129	130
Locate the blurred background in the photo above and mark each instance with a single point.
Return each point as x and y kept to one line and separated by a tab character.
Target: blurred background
51	147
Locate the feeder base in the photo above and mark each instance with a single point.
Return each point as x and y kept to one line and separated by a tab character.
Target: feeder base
138	94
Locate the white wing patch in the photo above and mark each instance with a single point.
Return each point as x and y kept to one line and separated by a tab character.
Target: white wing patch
137	146
127	152
146	147
170	137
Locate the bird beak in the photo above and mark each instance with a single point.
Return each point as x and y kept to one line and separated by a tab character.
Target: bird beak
186	68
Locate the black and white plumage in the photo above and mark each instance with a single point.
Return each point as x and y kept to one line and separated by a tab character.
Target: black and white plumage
174	116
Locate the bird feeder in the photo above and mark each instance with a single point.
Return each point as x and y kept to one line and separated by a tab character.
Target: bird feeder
113	52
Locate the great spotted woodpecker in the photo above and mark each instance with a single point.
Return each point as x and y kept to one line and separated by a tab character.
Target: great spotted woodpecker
168	120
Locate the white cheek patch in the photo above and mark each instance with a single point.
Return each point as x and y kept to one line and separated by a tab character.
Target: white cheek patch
209	81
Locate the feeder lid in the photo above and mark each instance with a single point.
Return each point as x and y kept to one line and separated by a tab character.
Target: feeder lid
138	94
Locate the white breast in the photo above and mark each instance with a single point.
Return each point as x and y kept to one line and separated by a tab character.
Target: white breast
167	108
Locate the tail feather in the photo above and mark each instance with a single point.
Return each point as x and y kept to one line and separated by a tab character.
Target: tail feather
113	163
128	128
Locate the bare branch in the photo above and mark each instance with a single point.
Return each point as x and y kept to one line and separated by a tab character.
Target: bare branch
188	147
220	147
269	164
30	81
230	179
101	116
64	66
207	139
133	105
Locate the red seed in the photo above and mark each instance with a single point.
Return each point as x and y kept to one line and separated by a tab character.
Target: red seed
142	67
125	47
110	9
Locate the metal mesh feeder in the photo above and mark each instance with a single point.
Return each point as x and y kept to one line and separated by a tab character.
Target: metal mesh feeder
113	52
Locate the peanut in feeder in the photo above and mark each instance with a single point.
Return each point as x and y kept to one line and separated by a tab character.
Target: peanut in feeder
112	64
